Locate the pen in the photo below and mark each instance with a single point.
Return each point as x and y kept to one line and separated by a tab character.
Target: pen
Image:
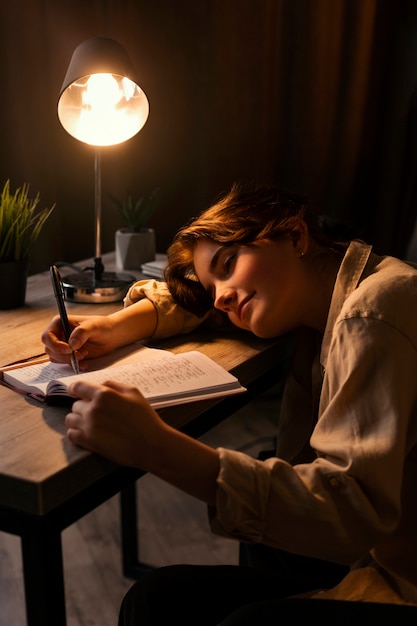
59	295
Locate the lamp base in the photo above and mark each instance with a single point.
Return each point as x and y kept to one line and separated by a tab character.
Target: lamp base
84	287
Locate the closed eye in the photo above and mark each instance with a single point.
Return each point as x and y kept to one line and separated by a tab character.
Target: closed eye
221	266
228	263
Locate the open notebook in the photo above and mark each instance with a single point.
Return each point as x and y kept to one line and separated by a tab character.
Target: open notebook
164	378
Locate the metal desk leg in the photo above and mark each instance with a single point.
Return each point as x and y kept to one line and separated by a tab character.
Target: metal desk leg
132	567
43	577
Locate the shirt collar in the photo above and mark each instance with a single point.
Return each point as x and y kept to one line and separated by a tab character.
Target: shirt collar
347	280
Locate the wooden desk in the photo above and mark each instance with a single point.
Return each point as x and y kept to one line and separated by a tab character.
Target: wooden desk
46	483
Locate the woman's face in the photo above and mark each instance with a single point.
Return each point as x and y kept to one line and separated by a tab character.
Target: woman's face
261	287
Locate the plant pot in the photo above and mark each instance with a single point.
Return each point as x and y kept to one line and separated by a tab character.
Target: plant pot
13	279
133	249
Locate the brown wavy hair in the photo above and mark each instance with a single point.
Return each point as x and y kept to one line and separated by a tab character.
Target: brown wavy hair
249	212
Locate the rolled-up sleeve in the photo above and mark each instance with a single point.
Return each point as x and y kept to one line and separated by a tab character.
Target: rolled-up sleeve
172	319
243	486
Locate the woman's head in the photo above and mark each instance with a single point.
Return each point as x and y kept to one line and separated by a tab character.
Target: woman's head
247	214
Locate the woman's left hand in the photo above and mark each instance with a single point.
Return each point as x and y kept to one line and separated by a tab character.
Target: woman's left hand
115	421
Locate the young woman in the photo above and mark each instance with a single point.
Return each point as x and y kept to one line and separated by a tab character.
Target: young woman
341	488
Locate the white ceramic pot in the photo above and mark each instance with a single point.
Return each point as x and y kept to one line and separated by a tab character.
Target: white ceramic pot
133	249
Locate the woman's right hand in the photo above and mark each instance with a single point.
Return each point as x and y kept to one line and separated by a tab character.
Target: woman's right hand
91	337
95	335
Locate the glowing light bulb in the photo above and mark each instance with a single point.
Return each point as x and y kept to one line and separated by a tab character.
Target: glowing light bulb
102	92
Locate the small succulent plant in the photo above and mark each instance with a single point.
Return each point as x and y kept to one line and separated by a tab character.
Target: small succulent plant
137	212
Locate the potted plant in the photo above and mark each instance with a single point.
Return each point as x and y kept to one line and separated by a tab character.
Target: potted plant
20	225
135	244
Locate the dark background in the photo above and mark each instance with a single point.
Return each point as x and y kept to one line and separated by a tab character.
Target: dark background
316	94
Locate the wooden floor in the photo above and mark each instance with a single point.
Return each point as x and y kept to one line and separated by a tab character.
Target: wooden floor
172	526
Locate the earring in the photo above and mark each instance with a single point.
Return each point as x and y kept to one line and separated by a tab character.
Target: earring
300	253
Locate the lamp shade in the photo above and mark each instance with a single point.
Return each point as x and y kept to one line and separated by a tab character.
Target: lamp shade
100	102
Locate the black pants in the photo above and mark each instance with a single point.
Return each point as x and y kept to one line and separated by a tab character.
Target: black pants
322	612
232	595
198	595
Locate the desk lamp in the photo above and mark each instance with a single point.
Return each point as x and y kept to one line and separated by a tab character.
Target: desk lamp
100	104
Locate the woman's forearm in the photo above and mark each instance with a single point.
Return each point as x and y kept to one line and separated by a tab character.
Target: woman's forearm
186	463
135	322
117	422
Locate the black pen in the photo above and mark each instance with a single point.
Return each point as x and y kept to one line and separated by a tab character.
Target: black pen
59	295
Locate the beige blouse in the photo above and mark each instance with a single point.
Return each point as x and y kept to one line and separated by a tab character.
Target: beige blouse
343	484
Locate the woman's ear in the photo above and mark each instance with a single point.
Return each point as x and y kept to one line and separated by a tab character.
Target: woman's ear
300	238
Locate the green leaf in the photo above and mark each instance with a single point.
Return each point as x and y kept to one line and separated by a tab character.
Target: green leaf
20	222
137	213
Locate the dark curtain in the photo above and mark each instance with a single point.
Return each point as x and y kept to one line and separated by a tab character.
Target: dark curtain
316	94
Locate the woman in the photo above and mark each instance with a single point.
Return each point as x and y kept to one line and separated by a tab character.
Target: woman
341	488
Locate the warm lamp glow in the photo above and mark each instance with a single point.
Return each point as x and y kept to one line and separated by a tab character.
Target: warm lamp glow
103	109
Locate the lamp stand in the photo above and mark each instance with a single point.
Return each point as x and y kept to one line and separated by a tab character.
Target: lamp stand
94	284
98	265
